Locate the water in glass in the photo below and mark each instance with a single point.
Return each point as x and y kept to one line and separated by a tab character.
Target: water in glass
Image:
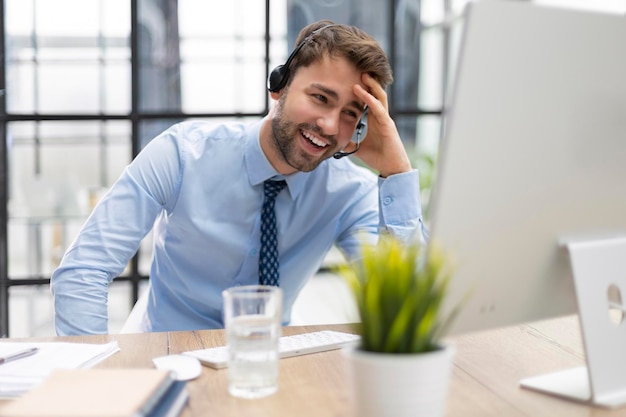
253	350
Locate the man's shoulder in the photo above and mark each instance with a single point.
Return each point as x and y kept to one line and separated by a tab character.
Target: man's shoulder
204	130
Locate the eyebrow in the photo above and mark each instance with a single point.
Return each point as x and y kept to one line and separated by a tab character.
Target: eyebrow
335	96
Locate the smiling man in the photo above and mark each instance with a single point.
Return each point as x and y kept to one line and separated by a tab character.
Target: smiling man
200	188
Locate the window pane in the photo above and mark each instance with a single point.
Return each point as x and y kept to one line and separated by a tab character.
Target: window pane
98	152
198	67
454	44
116	94
459	5
239	85
36	244
59	62
20	87
428	135
19	17
431	12
431	69
423	148
58	170
419	69
408	57
228	19
42	186
67	18
56	95
159	58
31	312
115	19
420	134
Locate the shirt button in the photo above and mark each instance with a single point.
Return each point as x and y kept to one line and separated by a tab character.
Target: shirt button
253	252
387	201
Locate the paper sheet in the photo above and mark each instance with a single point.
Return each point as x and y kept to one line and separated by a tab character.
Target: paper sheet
21	375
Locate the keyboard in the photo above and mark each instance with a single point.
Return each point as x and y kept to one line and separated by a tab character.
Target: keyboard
288	346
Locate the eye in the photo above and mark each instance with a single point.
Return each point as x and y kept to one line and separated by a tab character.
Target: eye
321	98
351	114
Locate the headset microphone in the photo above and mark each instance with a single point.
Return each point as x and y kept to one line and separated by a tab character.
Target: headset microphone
359	133
341	154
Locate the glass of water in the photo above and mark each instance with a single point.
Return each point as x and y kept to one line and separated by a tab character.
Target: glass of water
252	316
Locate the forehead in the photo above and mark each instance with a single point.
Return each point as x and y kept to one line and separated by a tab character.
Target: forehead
334	74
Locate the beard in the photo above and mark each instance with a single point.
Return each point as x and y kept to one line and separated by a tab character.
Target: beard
285	134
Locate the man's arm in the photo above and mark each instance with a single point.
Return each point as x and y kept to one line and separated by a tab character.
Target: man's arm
382	149
400	211
390	206
110	237
399	206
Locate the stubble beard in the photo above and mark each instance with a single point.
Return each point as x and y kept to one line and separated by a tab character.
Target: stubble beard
285	134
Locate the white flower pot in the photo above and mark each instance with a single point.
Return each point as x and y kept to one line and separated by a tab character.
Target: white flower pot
400	385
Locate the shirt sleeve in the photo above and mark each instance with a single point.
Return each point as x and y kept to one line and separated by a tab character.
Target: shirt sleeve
398	213
111	236
400	209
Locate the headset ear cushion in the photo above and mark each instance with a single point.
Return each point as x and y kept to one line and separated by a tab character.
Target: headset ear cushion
278	78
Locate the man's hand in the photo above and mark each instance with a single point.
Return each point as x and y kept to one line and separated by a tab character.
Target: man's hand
382	149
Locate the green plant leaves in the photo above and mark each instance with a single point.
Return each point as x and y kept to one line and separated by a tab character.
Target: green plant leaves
399	290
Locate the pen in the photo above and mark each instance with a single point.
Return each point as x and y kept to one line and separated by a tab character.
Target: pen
18	355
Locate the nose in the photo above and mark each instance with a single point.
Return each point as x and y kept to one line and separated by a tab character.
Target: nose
329	123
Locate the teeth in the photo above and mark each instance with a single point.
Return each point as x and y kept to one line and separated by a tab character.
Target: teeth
313	139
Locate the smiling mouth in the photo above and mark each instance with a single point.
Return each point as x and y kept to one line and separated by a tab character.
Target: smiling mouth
313	140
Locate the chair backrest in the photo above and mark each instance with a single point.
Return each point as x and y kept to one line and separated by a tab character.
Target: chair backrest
137	320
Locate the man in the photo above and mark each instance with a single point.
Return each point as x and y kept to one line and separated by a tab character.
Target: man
201	187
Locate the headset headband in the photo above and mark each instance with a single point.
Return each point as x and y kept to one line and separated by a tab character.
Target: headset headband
280	75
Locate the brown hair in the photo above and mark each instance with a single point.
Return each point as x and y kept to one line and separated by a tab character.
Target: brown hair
326	38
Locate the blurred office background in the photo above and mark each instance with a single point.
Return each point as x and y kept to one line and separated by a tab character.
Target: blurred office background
85	84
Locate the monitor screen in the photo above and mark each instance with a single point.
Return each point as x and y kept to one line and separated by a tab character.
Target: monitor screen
533	152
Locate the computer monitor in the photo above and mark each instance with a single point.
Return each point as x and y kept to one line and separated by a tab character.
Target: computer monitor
533	159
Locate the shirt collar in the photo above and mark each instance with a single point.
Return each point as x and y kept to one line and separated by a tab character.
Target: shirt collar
260	169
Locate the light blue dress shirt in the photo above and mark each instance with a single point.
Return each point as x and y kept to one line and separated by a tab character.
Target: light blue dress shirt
200	185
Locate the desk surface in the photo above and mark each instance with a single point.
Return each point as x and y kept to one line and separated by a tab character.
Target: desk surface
485	380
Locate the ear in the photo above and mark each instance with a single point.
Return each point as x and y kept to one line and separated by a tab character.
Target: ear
275	95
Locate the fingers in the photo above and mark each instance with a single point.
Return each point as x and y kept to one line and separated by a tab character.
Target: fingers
376	107
375	89
374	96
375	99
385	151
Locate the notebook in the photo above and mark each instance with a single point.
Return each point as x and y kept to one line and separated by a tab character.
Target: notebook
20	376
101	393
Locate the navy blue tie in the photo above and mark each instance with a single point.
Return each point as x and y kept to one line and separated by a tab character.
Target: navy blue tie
268	257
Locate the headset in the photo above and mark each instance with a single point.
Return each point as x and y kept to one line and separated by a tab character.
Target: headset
280	75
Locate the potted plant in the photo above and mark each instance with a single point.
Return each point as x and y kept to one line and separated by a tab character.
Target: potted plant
401	367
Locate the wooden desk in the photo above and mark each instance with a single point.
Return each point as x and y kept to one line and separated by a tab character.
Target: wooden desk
485	380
